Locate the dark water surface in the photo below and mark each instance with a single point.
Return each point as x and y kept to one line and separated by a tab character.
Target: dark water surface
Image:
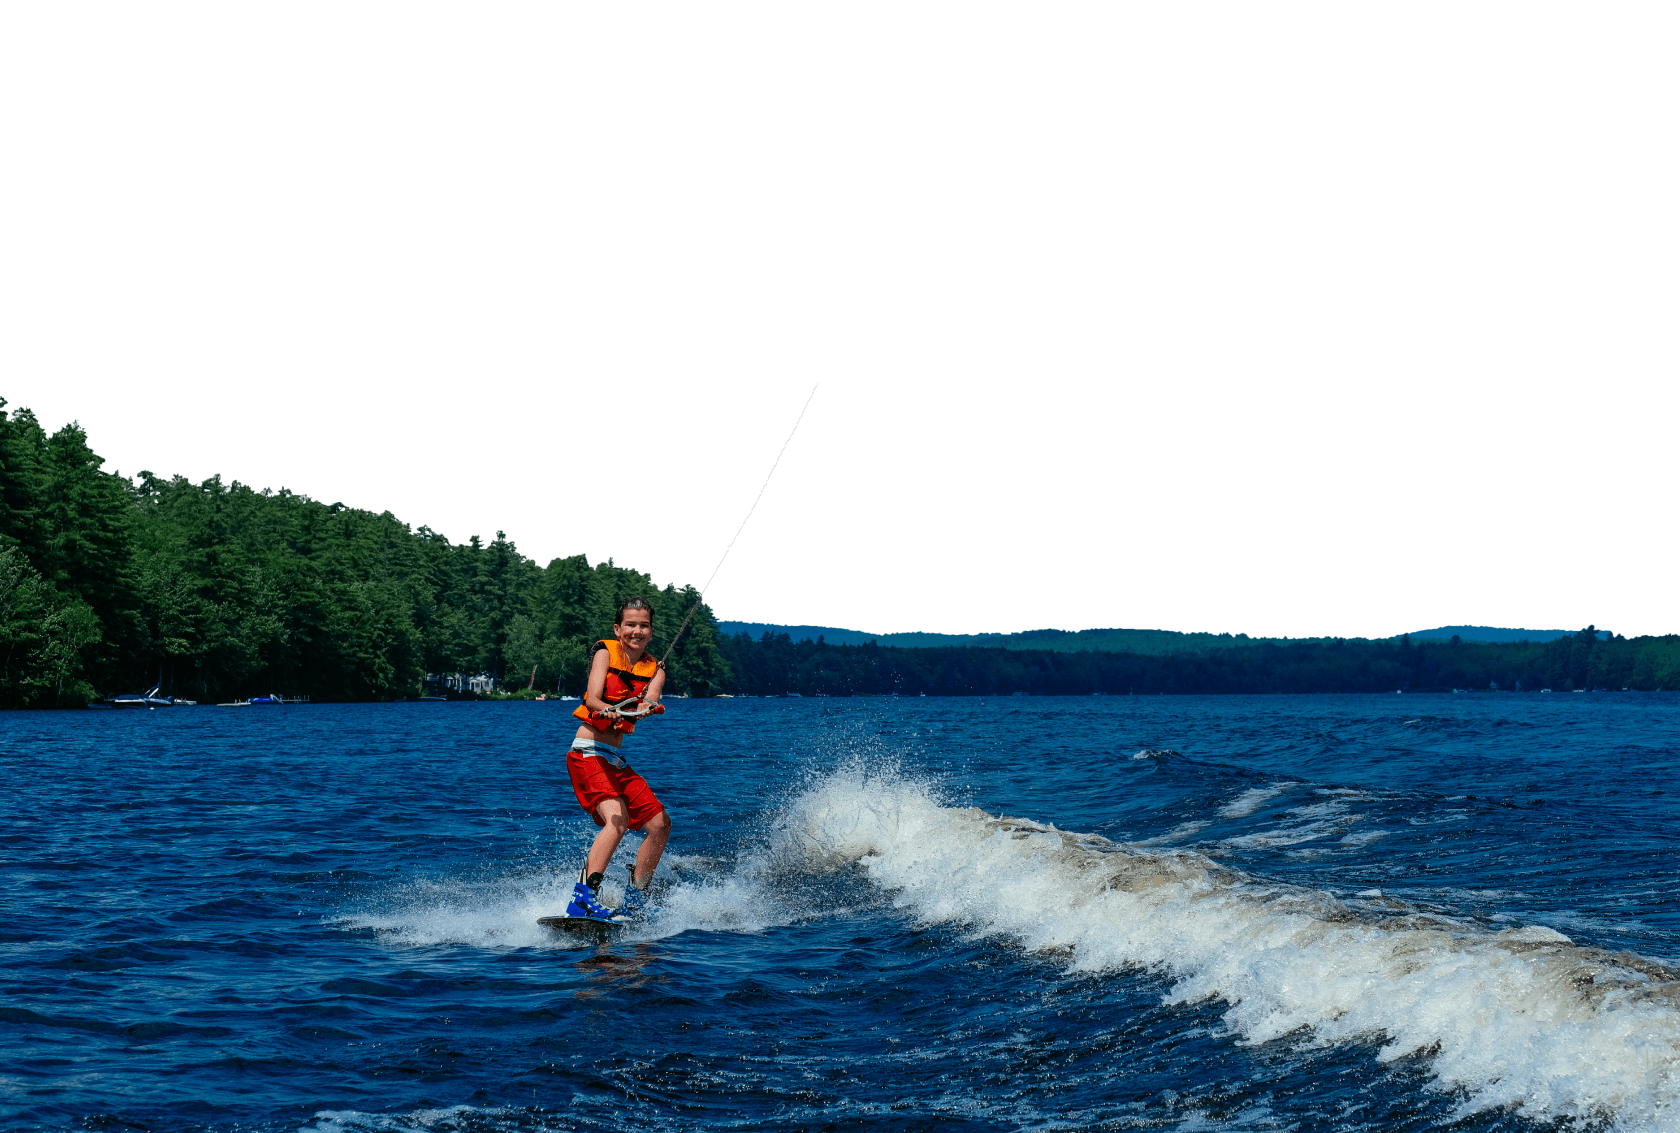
1309	913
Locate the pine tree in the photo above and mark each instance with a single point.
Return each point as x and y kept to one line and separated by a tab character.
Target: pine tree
21	441
85	515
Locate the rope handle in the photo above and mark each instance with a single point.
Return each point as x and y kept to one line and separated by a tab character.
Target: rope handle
636	713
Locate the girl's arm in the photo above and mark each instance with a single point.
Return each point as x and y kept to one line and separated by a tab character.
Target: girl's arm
655	687
598	684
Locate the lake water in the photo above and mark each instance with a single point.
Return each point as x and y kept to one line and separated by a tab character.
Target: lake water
1233	913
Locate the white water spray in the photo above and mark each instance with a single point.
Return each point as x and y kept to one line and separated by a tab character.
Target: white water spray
1520	1018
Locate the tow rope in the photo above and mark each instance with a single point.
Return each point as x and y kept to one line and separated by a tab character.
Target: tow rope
738	530
623	708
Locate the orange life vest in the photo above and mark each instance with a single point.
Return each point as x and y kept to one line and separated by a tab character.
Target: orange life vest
623	682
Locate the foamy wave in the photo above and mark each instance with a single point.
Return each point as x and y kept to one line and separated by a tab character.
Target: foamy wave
1250	801
1520	1018
1177	834
487	914
1306	823
455	1119
693	893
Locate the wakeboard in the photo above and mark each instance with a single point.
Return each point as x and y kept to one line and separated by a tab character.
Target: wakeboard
582	926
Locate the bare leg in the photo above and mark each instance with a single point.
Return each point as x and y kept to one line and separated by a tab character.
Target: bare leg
614	817
653	846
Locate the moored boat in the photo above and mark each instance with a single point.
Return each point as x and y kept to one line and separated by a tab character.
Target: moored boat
147	699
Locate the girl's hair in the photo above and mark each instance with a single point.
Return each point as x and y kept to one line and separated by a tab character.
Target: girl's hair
633	604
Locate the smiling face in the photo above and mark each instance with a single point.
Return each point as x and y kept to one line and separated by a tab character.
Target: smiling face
634	630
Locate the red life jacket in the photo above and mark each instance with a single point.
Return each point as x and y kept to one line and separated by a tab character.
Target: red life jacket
623	682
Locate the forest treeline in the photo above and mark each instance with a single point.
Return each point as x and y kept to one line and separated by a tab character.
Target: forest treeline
774	665
215	591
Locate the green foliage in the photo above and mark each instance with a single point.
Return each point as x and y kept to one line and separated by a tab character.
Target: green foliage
44	636
517	694
1148	642
217	591
65	632
775	665
24	604
21	444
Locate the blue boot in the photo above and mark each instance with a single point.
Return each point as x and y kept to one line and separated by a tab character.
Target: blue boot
637	903
584	903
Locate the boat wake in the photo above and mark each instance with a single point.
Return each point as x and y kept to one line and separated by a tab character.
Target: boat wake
1520	1018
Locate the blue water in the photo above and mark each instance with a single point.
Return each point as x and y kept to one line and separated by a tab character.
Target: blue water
1305	913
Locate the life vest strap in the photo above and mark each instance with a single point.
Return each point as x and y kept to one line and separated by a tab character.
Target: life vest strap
623	685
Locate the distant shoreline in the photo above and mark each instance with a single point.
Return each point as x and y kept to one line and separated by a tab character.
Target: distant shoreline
1145	641
775	664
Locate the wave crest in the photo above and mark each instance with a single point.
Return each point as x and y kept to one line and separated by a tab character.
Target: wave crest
1521	1018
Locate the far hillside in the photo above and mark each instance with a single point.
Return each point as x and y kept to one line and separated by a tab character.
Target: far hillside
1147	642
775	665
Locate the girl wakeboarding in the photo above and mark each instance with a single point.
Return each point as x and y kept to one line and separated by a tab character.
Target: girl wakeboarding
625	684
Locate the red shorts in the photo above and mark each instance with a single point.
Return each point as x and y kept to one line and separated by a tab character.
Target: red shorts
594	781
